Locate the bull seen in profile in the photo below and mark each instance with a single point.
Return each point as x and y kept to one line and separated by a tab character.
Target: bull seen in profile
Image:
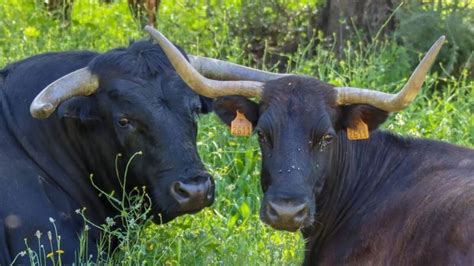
123	101
379	200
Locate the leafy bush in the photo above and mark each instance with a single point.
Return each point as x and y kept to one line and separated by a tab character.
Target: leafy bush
422	23
269	30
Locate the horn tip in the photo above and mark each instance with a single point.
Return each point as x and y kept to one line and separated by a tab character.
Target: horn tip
442	38
154	33
42	111
148	28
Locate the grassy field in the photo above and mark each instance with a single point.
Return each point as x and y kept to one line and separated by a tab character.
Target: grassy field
230	232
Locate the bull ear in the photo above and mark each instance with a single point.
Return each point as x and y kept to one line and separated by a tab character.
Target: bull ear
227	106
372	116
82	108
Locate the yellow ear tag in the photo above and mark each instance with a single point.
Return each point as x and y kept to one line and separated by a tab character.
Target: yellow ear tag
240	126
361	131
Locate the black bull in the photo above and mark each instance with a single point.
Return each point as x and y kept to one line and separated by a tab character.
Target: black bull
141	105
387	200
378	200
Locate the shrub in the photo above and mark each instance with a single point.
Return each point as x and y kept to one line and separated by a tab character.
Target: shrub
422	23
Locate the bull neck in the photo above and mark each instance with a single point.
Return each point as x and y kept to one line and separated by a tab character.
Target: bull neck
361	170
65	172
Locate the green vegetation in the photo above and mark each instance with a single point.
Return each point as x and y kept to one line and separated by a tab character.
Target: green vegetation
230	232
455	19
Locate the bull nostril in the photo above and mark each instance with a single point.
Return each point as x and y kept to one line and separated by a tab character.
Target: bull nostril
210	193
179	192
193	193
301	215
286	215
271	212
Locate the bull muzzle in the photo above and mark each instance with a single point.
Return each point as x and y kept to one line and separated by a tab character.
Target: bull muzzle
286	214
193	194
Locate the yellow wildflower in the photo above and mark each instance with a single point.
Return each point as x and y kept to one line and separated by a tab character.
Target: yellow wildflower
31	32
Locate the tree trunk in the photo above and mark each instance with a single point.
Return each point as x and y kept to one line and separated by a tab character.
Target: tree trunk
145	10
342	19
60	9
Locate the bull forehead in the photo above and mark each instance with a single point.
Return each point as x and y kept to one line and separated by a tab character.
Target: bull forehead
297	100
145	69
298	93
168	89
141	59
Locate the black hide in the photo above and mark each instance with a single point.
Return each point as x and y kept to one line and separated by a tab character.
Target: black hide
386	200
141	106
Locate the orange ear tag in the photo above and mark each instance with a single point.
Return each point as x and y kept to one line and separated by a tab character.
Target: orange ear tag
240	126
361	131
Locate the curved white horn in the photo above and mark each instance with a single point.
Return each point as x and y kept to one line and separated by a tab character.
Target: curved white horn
197	82
222	70
79	82
387	101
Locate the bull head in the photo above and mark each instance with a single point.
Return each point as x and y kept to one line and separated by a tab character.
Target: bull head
151	112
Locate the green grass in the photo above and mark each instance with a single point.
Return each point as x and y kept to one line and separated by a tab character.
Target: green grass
230	232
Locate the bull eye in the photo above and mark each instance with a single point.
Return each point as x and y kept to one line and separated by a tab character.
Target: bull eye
326	139
262	138
197	110
123	122
195	117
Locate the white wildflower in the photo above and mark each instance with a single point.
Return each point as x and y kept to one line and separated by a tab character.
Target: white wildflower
110	221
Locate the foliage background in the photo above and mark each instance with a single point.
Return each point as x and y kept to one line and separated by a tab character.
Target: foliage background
230	232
